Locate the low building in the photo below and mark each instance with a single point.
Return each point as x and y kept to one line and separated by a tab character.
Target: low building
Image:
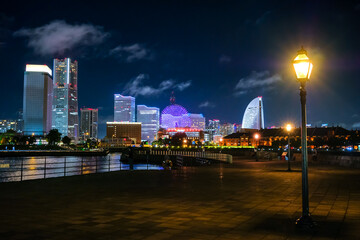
123	133
191	133
316	137
245	138
6	125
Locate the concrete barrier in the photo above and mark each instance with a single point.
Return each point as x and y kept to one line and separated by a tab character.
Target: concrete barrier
339	160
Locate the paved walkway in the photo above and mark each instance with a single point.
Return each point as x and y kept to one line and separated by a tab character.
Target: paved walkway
246	200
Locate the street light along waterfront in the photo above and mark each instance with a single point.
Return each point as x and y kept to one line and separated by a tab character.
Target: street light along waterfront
288	129
303	68
256	136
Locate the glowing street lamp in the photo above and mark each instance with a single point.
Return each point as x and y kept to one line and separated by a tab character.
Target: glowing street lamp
257	137
288	129
184	141
303	68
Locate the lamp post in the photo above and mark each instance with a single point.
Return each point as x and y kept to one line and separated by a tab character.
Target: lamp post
303	68
256	136
288	129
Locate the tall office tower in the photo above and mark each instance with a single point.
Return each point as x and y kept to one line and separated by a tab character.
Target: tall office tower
254	115
213	128
149	118
89	122
226	129
37	101
20	121
124	108
65	115
197	121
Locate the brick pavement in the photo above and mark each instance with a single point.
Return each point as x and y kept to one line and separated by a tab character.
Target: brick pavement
246	200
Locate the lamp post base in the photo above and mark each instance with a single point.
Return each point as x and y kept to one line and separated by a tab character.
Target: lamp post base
305	222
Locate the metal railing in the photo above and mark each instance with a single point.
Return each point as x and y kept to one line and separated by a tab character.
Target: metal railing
205	155
28	168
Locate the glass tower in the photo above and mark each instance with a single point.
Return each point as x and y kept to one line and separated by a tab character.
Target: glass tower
37	101
89	123
65	116
149	118
124	109
213	128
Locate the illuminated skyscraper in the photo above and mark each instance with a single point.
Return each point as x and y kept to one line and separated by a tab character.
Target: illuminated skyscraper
149	118
65	115
124	108
197	121
89	122
213	128
37	101
226	129
254	115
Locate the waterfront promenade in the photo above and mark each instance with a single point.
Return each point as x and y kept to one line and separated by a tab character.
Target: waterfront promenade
243	200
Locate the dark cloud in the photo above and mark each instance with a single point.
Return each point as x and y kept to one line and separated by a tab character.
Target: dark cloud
256	80
59	36
132	53
136	86
224	59
263	17
206	104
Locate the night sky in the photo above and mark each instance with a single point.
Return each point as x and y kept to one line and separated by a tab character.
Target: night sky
216	55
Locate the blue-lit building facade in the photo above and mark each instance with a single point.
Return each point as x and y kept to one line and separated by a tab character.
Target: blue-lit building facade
37	100
149	118
124	108
65	113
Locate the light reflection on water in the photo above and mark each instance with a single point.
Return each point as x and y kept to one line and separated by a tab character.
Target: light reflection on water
59	166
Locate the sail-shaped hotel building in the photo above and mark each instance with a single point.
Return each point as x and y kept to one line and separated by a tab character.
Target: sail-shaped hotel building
254	115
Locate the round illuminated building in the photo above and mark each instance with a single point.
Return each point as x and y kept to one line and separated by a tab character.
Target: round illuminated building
174	116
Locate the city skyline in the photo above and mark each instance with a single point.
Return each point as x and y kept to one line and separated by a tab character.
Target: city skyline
215	55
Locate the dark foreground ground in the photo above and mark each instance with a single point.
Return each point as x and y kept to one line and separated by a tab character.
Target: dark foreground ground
246	200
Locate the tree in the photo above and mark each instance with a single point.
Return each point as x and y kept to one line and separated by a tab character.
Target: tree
91	143
10	137
53	136
66	140
177	139
31	140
